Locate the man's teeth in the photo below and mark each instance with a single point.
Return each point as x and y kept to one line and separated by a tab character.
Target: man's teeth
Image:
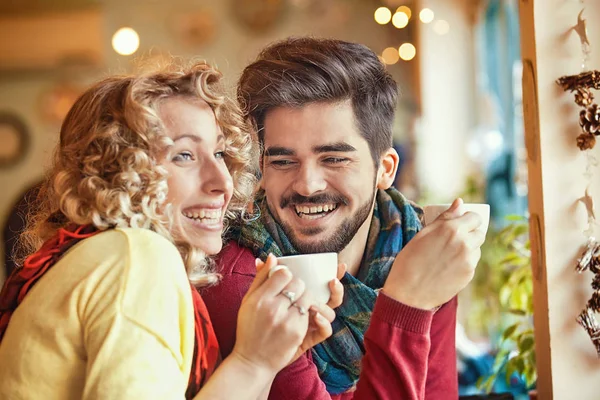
315	209
206	215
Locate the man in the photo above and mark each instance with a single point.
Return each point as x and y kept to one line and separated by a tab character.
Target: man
323	110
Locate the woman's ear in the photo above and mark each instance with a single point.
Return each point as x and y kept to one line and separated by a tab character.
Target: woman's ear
388	166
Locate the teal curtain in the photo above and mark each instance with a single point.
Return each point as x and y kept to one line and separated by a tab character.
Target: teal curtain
500	60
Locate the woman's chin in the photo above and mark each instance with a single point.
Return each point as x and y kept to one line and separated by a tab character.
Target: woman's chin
210	241
209	246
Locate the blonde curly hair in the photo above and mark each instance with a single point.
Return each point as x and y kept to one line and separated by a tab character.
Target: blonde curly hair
107	167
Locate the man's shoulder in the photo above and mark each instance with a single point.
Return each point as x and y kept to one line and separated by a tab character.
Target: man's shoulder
408	208
235	259
236	265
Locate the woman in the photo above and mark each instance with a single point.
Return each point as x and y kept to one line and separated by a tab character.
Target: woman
147	171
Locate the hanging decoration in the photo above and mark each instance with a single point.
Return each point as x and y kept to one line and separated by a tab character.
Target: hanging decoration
589	116
589	121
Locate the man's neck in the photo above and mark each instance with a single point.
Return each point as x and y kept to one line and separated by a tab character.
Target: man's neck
352	254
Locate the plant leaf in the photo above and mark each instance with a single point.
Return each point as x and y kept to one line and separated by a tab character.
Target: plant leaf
526	343
515	218
504	295
519	364
510	370
508	332
516	311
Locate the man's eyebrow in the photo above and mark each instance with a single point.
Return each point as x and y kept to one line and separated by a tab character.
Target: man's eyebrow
275	151
339	147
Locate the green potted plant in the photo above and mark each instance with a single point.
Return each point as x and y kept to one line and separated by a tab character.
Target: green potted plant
516	347
500	298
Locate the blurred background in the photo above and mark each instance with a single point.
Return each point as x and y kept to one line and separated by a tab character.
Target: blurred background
459	126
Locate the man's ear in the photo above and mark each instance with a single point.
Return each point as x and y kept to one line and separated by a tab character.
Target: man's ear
388	166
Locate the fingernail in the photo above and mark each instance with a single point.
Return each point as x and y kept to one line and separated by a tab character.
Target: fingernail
257	261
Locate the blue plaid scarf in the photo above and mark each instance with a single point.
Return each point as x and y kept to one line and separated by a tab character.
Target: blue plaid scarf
395	221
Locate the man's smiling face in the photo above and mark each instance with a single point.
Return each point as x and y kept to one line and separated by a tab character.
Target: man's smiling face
318	175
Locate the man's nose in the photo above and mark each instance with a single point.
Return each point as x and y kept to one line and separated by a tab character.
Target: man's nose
309	180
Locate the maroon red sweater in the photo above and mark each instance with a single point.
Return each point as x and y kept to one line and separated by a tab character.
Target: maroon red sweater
409	353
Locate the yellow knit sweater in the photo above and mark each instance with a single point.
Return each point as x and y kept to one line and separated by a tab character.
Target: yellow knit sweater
113	319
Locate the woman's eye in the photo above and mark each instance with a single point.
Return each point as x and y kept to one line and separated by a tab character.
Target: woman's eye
220	155
183	156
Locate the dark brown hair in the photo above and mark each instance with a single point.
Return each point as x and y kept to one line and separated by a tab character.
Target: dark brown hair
298	71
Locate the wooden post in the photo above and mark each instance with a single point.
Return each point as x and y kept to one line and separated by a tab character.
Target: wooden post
536	199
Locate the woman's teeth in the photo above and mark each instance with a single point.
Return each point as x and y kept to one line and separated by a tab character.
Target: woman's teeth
207	216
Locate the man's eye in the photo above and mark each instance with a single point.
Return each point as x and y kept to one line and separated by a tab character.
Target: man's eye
282	163
183	156
335	160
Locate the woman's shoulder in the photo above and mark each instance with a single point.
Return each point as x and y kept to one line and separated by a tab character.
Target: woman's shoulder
134	276
130	254
140	242
138	236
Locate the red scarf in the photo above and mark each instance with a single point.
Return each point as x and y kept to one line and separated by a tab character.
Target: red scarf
21	280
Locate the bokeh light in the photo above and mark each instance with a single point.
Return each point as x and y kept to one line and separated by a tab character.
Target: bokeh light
406	10
441	27
390	55
426	15
400	20
407	51
125	41
383	15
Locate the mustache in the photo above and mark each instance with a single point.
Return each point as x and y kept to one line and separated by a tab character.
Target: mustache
321	198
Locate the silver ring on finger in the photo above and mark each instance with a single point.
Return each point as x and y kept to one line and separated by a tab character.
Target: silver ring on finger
291	296
301	309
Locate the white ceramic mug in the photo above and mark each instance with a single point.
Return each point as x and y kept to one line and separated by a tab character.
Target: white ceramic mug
433	211
315	270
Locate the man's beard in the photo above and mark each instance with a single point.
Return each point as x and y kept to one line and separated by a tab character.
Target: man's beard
338	240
